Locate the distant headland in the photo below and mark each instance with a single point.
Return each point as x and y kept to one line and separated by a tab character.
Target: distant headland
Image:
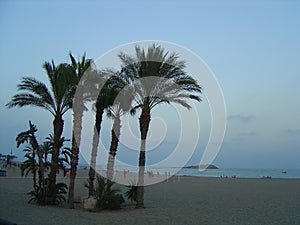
203	166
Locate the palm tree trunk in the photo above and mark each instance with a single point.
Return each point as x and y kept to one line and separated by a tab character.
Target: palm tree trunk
73	172
77	127
34	171
34	181
144	127
39	152
58	125
92	173
41	173
41	170
115	134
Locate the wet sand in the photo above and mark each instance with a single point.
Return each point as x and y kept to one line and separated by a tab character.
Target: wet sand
188	200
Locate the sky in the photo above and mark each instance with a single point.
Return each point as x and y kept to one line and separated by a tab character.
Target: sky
252	47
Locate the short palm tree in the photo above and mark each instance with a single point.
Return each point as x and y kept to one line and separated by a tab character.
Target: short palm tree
30	165
64	153
31	150
159	78
46	148
56	99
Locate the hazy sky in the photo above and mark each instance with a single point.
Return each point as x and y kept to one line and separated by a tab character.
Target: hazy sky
253	48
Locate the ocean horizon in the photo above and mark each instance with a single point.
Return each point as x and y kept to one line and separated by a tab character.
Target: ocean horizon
220	172
242	173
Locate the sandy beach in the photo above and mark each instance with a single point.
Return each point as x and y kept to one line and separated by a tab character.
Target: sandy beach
188	200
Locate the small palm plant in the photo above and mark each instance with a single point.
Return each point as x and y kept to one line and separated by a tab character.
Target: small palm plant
30	165
38	196
64	152
107	196
131	192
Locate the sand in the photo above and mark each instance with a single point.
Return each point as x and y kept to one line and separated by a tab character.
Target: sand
189	200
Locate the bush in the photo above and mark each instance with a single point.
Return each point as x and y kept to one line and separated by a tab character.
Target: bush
38	196
107	196
131	192
112	201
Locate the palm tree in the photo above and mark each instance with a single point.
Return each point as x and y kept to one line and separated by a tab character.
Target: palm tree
120	107
57	100
114	113
64	153
46	148
79	68
30	164
159	78
105	99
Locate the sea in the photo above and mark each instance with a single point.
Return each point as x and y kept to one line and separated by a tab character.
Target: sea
223	172
242	173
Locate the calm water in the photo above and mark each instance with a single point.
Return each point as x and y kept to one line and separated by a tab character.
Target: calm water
243	173
239	173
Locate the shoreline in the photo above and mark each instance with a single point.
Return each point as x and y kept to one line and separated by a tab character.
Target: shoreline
189	200
12	175
14	172
175	177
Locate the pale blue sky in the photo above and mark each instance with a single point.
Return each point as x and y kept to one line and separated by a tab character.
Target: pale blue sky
253	47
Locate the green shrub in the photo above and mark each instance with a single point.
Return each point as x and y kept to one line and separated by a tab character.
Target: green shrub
131	192
112	201
107	196
38	196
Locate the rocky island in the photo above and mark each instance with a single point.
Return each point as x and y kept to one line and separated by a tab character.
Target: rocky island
203	166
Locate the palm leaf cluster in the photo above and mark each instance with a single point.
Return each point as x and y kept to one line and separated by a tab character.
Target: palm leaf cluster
131	192
107	196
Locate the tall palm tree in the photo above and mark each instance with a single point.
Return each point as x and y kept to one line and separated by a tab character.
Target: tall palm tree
105	99
121	105
115	134
57	99
80	67
159	78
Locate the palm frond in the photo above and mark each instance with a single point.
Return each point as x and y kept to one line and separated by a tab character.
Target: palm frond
33	93
174	85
